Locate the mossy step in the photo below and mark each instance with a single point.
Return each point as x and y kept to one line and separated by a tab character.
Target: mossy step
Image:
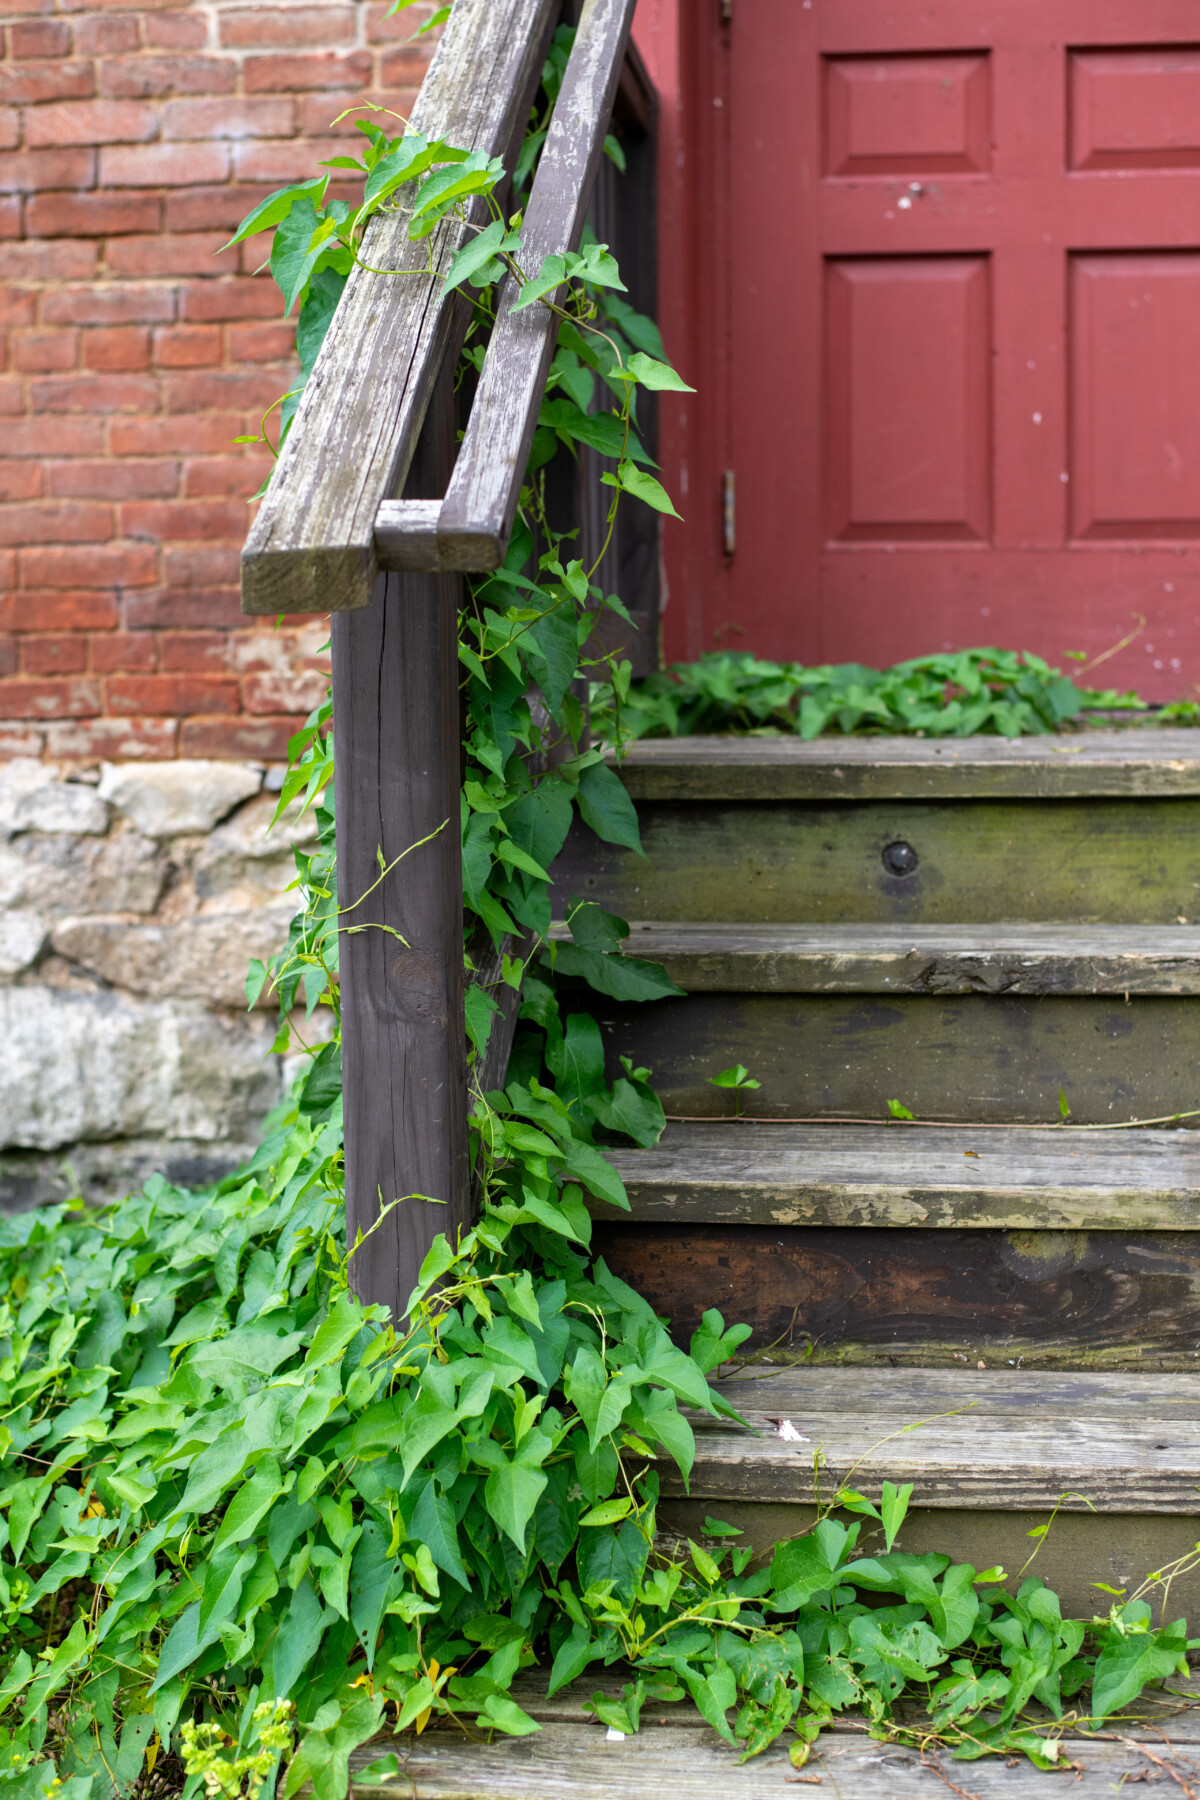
924	959
906	1176
1086	763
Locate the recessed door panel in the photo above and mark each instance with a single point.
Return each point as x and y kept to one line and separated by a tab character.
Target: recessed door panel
1135	109
907	115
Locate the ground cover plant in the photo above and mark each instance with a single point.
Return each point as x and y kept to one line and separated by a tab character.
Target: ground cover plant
248	1524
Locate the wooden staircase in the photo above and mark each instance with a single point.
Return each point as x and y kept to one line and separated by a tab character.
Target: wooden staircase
982	930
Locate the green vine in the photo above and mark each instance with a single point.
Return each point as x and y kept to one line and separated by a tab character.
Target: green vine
247	1523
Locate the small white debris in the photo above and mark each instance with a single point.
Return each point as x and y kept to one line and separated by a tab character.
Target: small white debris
787	1431
613	1736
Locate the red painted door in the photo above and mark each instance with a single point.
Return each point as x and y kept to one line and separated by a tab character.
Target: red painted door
943	271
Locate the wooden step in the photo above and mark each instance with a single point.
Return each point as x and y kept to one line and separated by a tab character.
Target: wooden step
1089	764
910	1245
903	1176
924	959
993	1058
1103	826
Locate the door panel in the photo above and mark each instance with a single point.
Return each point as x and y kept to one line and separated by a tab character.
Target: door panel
946	284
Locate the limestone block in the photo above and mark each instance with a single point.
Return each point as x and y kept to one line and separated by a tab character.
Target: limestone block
166	798
22	935
82	1066
243	859
201	958
32	798
56	874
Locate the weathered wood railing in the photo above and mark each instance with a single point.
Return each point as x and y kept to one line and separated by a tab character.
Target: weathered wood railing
377	420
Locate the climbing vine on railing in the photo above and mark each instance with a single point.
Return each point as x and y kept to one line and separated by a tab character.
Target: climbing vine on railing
247	1523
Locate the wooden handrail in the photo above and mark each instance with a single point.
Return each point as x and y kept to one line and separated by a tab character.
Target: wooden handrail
312	545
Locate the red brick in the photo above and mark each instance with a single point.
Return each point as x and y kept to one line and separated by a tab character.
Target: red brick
90	215
170	694
251	740
10	216
198	652
10	127
175	31
114	478
103	35
97	566
279	161
95	394
238	476
184	606
247	298
275	693
24	171
291	74
54	437
38	351
204	566
233	118
8	661
200	519
91	122
39	37
288	27
220	208
71	523
33	85
120	303
112	740
203	432
10	396
221	390
268	342
47	262
163	165
149	77
123	652
8	581
54	655
117	347
188	346
403	68
385	26
196	254
63	612
49	699
21	740
17	306
20	480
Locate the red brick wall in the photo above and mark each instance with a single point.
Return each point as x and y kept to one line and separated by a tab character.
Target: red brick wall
133	350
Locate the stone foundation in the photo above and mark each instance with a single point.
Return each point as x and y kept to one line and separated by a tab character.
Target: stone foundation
132	897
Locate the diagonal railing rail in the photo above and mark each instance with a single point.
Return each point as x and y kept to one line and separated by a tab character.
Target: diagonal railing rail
376	420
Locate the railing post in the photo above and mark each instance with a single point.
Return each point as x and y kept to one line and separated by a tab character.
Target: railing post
397	740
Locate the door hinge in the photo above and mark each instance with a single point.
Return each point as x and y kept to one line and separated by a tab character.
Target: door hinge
726	12
729	512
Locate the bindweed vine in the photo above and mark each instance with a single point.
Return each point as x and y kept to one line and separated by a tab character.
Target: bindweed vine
247	1523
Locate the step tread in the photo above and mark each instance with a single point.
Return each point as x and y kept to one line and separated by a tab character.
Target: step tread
1011	958
572	1761
830	768
1007	1178
566	1760
1113	1443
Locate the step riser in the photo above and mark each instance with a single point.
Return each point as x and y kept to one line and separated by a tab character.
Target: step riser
1079	1550
972	1058
1058	1298
1117	861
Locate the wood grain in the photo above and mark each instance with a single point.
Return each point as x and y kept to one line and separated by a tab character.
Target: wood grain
312	546
576	1762
1074	1299
1003	1058
1085	763
481	501
397	732
923	959
846	1175
804	861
